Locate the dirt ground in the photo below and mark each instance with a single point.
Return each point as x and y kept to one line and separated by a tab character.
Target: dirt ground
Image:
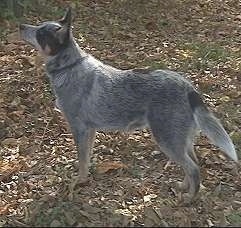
131	182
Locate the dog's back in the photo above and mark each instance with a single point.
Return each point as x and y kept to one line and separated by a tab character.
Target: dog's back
112	99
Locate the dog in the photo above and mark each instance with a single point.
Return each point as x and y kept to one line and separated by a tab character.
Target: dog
95	96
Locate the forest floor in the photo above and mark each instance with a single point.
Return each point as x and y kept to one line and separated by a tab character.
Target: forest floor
131	182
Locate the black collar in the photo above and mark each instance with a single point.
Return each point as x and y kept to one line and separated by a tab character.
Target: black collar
66	67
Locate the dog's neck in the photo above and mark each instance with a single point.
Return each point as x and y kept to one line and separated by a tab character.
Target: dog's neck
65	59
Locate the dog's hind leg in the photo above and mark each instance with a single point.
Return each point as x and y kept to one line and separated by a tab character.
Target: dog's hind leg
184	185
91	140
192	175
175	142
190	147
191	182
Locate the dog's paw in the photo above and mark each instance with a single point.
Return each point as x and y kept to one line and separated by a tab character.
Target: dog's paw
79	180
185	200
75	183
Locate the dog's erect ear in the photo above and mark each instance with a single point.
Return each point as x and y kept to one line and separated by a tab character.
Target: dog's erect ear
66	20
64	32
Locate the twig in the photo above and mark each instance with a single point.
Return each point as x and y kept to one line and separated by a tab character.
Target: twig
18	223
44	133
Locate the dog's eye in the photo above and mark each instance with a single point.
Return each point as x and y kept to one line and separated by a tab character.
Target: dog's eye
57	28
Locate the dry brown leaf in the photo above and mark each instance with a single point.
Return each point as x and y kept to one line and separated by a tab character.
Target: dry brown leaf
55	223
225	99
38	60
7	169
13	37
2	222
107	166
152	218
4	209
28	60
85	214
18	113
10	142
238	17
148	198
70	218
10	47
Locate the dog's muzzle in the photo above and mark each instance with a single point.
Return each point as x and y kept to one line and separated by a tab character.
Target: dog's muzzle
28	34
24	29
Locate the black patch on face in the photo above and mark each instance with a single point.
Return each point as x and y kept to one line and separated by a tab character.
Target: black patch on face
46	36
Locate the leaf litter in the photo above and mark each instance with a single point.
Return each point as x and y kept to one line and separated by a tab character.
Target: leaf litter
131	183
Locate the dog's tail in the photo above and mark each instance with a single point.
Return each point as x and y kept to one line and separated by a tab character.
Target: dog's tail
211	126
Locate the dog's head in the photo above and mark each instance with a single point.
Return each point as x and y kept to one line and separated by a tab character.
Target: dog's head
49	37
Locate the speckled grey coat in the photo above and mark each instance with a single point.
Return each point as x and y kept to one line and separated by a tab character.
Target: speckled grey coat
95	96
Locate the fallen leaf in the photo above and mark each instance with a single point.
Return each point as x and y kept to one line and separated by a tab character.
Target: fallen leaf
10	142
4	209
28	60
55	223
38	61
91	209
210	223
85	214
2	222
155	152
10	47
70	218
225	99
16	101
222	220
152	218
238	17
7	169
107	166
17	113
148	198
218	189
13	37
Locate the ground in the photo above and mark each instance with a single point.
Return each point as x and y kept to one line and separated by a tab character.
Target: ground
131	182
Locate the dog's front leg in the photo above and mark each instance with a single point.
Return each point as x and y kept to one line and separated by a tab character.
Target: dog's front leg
84	149
84	140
